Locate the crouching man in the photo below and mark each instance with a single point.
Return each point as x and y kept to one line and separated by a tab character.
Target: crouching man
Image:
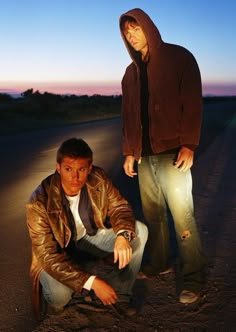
77	212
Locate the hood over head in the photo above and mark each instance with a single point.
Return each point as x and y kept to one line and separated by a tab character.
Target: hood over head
151	32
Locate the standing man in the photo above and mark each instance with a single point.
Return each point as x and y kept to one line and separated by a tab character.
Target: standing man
162	113
74	213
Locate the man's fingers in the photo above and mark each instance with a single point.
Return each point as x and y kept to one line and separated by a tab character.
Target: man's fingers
183	165
125	256
129	166
130	254
115	256
185	159
104	291
121	258
110	299
130	172
122	251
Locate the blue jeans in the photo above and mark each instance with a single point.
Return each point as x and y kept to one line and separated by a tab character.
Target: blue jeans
164	189
58	294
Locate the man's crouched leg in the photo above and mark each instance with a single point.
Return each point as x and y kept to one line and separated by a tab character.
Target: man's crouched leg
122	280
56	295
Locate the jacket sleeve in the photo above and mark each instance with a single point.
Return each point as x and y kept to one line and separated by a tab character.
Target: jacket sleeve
126	132
131	125
51	254
191	97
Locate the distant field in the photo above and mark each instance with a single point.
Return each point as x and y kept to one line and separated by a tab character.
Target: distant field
39	111
15	123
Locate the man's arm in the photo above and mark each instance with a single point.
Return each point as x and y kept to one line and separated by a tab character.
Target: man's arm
129	166
104	291
122	251
50	252
184	159
123	255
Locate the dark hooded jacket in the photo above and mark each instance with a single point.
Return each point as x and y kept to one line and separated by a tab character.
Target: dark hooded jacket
174	94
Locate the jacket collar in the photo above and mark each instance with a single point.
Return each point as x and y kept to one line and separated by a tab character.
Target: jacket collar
56	196
55	200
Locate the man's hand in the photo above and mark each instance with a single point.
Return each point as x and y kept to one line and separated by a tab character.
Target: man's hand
185	159
122	252
104	291
129	166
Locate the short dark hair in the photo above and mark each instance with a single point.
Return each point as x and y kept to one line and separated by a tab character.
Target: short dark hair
127	21
74	148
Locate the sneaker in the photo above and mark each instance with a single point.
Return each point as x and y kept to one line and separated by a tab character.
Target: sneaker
188	297
169	270
145	273
124	309
141	275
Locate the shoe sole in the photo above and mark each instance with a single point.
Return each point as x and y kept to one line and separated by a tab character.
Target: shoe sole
188	301
170	270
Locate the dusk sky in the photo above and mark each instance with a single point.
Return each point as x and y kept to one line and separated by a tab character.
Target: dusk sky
75	47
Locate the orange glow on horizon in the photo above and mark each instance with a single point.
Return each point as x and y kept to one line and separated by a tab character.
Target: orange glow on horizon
101	88
77	88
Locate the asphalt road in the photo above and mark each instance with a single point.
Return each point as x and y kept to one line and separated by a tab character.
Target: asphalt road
25	160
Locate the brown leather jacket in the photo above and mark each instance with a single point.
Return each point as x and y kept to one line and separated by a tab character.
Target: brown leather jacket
51	233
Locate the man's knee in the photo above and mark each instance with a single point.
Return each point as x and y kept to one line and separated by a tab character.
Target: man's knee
55	293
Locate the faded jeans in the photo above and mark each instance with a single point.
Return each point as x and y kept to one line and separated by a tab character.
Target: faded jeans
163	188
58	294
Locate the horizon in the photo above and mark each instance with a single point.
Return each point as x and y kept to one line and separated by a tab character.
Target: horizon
100	88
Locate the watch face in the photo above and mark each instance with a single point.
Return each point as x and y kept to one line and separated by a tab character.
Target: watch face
127	235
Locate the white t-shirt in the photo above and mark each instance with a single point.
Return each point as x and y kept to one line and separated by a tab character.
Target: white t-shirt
80	229
74	207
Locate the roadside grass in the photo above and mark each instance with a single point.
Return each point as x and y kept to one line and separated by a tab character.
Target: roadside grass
13	122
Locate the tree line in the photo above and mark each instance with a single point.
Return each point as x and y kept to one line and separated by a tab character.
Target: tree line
48	104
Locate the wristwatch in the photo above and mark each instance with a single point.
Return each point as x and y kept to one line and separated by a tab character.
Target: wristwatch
126	234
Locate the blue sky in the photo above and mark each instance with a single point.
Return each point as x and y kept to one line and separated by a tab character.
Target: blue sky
70	44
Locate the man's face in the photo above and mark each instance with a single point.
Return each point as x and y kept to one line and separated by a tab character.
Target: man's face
74	173
136	38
